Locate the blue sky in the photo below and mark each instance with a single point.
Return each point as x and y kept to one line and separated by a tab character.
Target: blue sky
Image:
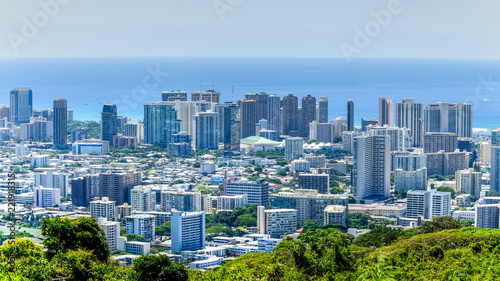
322	28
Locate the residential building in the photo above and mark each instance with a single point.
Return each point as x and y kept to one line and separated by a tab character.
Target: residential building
60	123
428	204
109	122
142	199
434	142
188	231
160	122
335	214
143	225
276	222
410	180
468	182
385	112
258	191
319	182
449	118
103	208
294	147
46	197
21	105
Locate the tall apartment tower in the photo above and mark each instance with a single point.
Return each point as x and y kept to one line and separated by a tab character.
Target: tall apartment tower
350	115
206	132
495	169
372	164
21	105
409	115
449	118
487	216
469	182
81	191
434	142
229	125
294	148
291	115
273	115
308	114
60	122
160	122
385	112
248	118
261	104
323	110
428	204
116	184
495	137
174	95
109	122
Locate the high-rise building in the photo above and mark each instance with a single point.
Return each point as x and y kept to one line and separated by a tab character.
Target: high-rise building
174	95
322	132
231	202
372	163
103	208
409	115
160	122
81	191
248	117
4	112
188	231
60	122
308	114
495	169
50	179
21	105
229	125
385	112
367	122
465	144
428	204
273	115
408	161
410	180
209	96
79	134
48	114
449	118
261	104
319	182
206	132
294	148
143	199
46	197
487	216
142	224
350	115
469	182
434	142
485	153
323	110
108	123
115	184
70	115
276	222
309	204
257	191
291	115
37	129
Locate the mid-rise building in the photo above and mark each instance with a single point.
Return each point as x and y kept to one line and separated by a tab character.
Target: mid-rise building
21	105
446	163
487	216
408	161
310	205
294	148
188	231
231	202
367	122
111	230
276	222
103	208
79	134
134	129
143	199
319	182
434	142
410	180
90	147
53	180
143	225
180	200
46	197
428	204
258	192
469	182
38	129
322	132
495	169
335	214
115	184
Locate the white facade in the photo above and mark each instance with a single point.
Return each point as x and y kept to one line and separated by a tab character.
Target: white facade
46	197
143	199
39	160
138	248
134	129
111	230
485	153
487	216
53	180
276	222
103	209
294	148
372	161
428	204
231	202
399	138
469	182
410	180
335	214
300	165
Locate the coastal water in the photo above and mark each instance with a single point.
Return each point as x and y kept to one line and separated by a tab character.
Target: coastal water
87	83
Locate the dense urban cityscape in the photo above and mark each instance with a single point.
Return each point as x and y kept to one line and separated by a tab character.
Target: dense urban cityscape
204	182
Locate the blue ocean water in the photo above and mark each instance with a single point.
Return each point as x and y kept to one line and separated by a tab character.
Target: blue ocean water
87	83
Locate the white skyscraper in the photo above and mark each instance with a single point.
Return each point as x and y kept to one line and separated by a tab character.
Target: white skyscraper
372	164
294	148
53	180
449	118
